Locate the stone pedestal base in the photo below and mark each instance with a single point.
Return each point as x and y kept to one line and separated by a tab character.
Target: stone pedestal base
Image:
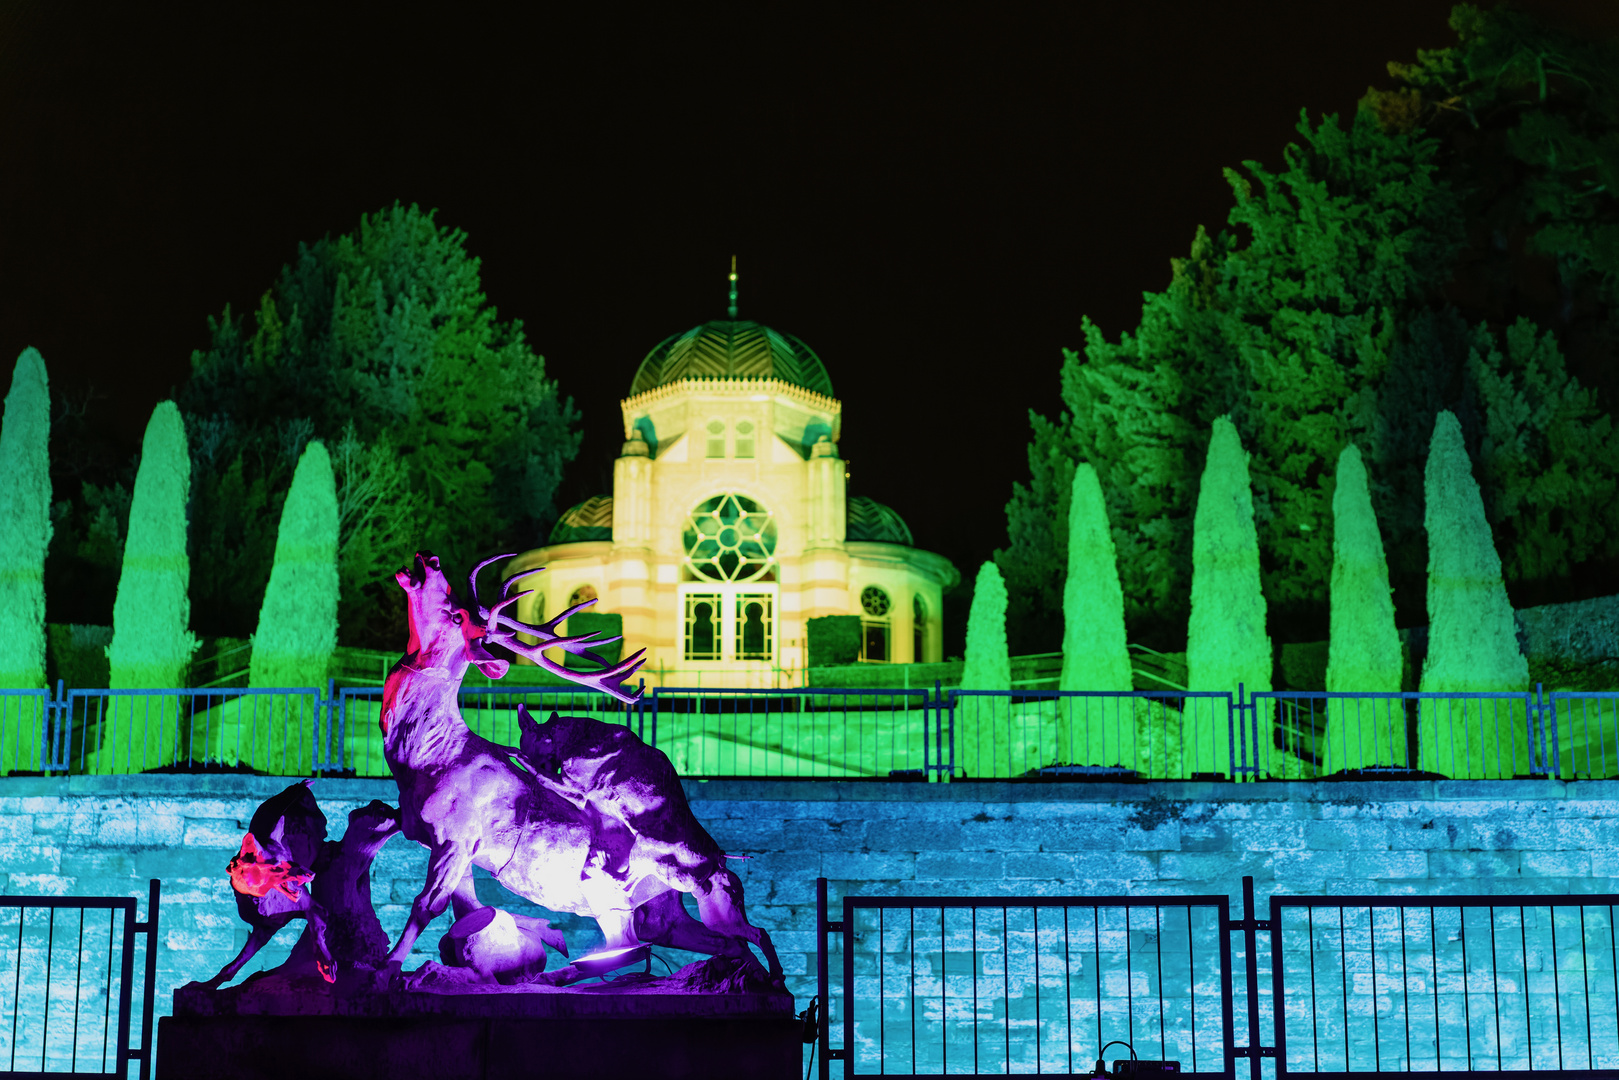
580	1032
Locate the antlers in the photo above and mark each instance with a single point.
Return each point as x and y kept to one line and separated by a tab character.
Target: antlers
501	629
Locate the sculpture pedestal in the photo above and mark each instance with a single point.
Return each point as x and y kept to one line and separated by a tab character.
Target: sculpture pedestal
619	1031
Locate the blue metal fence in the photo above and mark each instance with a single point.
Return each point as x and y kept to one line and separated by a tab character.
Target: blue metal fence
1343	986
67	984
821	732
838	733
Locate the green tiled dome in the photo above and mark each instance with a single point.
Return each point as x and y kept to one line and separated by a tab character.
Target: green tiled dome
871	520
724	349
590	520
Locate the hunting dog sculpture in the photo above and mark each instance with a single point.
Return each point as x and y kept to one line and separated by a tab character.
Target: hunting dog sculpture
278	856
287	869
560	843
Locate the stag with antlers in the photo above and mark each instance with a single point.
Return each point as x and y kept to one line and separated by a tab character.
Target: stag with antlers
534	826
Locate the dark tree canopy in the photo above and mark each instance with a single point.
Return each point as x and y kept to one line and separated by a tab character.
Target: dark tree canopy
444	432
1455	245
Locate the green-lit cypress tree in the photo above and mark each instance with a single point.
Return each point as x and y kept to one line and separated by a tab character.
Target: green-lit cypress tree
151	640
25	523
1095	654
1226	643
988	667
25	534
297	629
982	723
1363	654
1472	639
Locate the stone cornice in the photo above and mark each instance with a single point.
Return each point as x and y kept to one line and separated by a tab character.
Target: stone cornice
728	388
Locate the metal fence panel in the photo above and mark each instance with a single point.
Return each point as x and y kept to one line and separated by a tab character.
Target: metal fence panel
26	743
274	731
1425	985
1151	734
1474	736
1582	729
992	986
64	961
818	732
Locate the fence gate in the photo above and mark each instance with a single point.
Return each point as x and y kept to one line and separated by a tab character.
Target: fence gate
1418	986
64	961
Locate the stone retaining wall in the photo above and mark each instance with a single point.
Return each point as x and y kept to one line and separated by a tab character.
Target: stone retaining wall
105	836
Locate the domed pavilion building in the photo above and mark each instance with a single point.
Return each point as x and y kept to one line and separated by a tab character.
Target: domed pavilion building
730	525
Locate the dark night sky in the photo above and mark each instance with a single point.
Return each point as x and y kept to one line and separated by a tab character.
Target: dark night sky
930	197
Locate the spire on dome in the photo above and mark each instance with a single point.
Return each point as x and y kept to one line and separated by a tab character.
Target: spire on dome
731	311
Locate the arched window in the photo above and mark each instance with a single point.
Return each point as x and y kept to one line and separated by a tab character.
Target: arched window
919	630
702	627
754	626
716	438
581	594
730	538
874	605
744	438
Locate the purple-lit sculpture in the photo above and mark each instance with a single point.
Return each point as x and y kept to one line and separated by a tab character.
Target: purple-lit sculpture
587	819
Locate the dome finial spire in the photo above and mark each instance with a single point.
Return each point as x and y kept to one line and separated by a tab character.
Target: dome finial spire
732	309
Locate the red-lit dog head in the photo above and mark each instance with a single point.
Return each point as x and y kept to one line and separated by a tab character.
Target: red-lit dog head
254	874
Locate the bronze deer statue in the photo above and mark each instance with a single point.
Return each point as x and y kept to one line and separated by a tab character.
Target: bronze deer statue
471	802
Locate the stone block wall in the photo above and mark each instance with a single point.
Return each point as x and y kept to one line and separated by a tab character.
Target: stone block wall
105	836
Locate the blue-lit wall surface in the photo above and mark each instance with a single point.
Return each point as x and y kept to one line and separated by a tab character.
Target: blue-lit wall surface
106	835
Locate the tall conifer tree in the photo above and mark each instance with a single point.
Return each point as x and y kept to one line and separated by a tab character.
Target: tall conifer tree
1363	654
25	523
1226	643
983	735
1472	638
25	535
151	639
1095	654
988	666
297	629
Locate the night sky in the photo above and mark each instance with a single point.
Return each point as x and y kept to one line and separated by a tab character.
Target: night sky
929	197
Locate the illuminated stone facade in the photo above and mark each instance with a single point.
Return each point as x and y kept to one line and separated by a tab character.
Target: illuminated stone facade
730	525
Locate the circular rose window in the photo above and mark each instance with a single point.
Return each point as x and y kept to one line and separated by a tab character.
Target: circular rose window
730	538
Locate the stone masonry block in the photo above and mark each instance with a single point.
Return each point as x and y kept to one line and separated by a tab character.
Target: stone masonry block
1472	864
1563	864
1116	866
1354	835
1075	835
1269	835
860	866
16	826
1311	865
950	865
822	835
40	884
982	832
1044	865
927	832
222	834
186	940
30	857
1196	867
1371	865
1208	836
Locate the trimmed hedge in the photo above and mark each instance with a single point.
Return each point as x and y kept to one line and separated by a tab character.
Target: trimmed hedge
833	639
